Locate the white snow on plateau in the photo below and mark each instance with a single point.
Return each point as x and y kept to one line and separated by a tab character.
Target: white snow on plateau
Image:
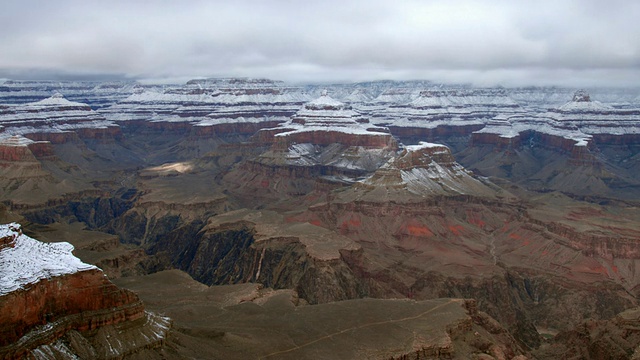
425	145
26	261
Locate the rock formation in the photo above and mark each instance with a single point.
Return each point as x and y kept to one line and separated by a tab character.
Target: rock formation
95	93
325	121
422	170
382	329
54	115
576	148
444	115
24	179
47	294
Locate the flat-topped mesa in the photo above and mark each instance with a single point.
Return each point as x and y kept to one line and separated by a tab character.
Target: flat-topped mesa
325	121
56	119
239	82
45	292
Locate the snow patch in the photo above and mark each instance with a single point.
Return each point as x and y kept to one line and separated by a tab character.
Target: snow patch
423	145
26	261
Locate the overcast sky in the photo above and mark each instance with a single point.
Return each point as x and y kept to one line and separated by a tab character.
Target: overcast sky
573	43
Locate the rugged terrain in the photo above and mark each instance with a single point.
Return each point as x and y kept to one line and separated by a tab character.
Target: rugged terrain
53	305
309	204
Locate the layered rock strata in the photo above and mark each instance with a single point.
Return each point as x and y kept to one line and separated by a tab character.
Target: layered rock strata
46	292
325	121
55	119
95	93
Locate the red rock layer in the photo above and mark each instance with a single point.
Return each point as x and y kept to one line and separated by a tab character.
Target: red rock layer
41	149
333	137
581	156
590	244
234	128
546	140
7	241
423	157
82	301
16	153
431	134
99	133
500	143
609	139
174	127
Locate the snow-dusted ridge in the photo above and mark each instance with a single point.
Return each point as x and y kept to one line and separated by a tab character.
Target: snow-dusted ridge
446	107
426	169
577	120
52	115
26	261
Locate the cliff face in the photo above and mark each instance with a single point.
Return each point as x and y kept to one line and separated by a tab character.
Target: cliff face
81	301
244	246
582	147
16	153
553	162
46	292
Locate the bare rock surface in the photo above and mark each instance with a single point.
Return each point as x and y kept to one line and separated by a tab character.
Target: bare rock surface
245	321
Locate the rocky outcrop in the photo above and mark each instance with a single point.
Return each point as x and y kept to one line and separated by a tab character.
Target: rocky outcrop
21	149
81	301
617	338
46	292
16	149
55	138
418	172
245	246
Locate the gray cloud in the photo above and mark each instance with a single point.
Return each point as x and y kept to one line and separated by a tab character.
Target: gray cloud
483	42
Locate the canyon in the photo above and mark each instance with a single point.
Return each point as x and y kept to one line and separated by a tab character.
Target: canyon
414	219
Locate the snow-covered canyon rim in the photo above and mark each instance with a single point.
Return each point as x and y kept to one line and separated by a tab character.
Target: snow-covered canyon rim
25	261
